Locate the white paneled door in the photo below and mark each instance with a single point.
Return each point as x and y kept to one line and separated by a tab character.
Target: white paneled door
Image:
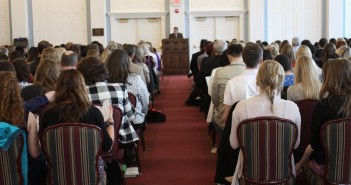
4	23
211	28
60	21
132	31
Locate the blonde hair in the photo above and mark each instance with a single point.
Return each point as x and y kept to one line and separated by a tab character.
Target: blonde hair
60	51
105	55
274	49
303	51
51	54
337	77
145	47
306	73
270	78
46	75
344	52
288	51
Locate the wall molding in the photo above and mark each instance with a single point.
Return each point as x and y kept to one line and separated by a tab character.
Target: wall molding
136	15
216	13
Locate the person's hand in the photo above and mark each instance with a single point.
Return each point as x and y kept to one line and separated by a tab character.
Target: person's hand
33	122
50	95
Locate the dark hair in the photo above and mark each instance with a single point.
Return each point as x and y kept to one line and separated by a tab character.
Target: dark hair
43	45
329	52
93	70
252	54
322	42
306	42
284	61
285	42
22	70
32	54
265	43
278	42
235	50
83	51
118	66
203	43
209	48
130	49
3	58
69	60
224	59
312	48
175	28
94	46
267	55
7	66
70	96
17	54
333	40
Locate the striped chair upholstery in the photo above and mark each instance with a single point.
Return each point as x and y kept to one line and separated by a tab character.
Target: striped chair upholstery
72	151
115	151
306	108
10	163
336	142
267	144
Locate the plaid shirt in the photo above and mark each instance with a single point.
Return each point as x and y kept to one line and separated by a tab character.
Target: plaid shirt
118	96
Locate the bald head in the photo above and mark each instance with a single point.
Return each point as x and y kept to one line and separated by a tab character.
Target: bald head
69	60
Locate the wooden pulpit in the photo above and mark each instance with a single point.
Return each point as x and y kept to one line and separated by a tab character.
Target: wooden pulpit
175	54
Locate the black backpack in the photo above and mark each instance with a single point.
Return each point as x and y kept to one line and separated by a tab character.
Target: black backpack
155	116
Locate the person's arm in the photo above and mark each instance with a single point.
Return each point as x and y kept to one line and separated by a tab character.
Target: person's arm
37	102
34	148
129	110
234	142
107	130
227	101
143	96
305	158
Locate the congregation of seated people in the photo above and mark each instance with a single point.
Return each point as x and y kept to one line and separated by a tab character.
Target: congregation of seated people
235	81
73	83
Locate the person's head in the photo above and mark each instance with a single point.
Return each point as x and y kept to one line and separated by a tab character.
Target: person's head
284	43
4	51
51	54
344	52
340	43
267	55
202	44
7	66
94	46
11	103
278	42
332	40
93	53
105	54
32	54
71	96
175	30
219	46
295	42
270	78
234	51
16	55
145	47
139	54
273	49
46	75
112	45
118	66
42	45
322	42
312	48
306	73
284	61
69	60
22	70
60	51
328	52
303	51
336	82
93	70
288	51
252	55
130	49
209	48
306	42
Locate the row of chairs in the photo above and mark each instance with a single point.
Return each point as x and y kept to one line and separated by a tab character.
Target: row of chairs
72	152
261	148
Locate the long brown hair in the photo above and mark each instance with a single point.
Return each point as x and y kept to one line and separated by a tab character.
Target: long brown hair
71	96
46	75
118	66
336	82
11	103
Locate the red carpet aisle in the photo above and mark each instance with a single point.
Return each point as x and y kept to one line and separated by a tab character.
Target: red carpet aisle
179	149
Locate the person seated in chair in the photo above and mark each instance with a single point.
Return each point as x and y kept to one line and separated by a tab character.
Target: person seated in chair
270	79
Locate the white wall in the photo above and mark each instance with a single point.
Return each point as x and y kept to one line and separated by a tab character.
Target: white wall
60	21
5	23
347	18
98	20
215	5
298	18
335	20
19	18
256	20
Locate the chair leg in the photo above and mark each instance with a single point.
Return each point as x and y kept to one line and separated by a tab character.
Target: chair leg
136	149
142	129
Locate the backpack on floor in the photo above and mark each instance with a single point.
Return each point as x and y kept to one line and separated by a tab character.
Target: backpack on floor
155	116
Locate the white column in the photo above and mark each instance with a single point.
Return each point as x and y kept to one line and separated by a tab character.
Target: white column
19	18
256	21
177	17
242	27
98	20
335	18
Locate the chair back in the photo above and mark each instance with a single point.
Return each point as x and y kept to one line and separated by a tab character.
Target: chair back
336	142
116	145
10	163
306	108
267	144
132	99
72	152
